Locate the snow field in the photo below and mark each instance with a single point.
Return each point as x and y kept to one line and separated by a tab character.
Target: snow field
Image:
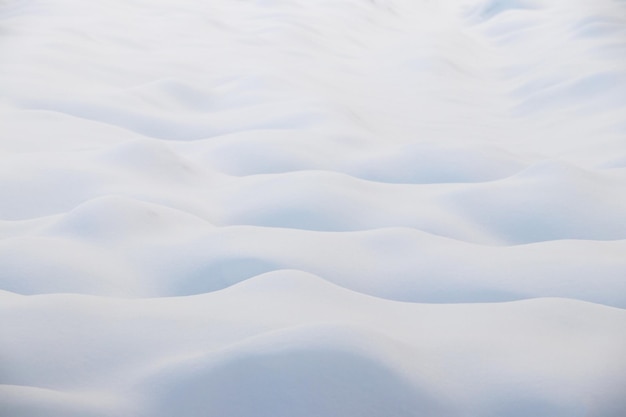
313	208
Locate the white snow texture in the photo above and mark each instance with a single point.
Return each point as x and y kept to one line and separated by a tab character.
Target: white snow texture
313	208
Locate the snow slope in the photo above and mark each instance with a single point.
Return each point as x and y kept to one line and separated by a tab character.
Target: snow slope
307	208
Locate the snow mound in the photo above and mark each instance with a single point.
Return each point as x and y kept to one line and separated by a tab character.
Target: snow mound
290	342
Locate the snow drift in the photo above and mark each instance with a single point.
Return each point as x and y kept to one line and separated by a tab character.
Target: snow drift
313	208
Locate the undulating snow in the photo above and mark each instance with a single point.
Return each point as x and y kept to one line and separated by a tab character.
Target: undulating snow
313	208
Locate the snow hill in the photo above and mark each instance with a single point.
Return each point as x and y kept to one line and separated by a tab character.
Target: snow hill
313	208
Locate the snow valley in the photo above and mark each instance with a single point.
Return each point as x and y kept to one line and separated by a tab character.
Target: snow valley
312	208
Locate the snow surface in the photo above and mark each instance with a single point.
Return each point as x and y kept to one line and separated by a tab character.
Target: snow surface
313	208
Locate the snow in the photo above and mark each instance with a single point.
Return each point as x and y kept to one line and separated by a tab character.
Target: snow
313	208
